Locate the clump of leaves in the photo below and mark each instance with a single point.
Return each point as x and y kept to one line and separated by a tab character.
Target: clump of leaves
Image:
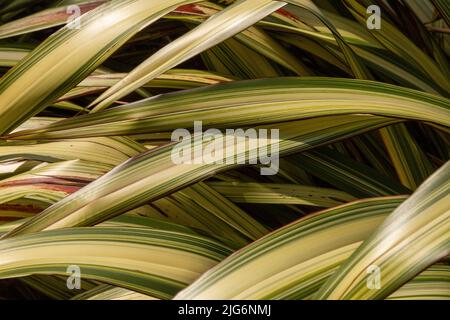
91	90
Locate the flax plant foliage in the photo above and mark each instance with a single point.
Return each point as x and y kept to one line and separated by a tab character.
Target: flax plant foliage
353	204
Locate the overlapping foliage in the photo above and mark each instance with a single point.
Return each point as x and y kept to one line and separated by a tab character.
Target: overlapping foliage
88	105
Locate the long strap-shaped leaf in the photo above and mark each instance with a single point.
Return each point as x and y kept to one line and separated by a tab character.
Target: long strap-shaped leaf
48	184
378	58
224	210
10	55
154	174
397	42
410	162
151	261
216	29
243	43
348	175
413	237
69	55
359	70
432	284
45	19
108	292
295	256
114	150
73	172
245	192
54	286
245	103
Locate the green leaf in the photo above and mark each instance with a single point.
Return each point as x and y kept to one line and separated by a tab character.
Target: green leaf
153	175
410	162
219	27
45	19
412	238
349	175
256	102
431	284
272	193
276	267
78	52
140	259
